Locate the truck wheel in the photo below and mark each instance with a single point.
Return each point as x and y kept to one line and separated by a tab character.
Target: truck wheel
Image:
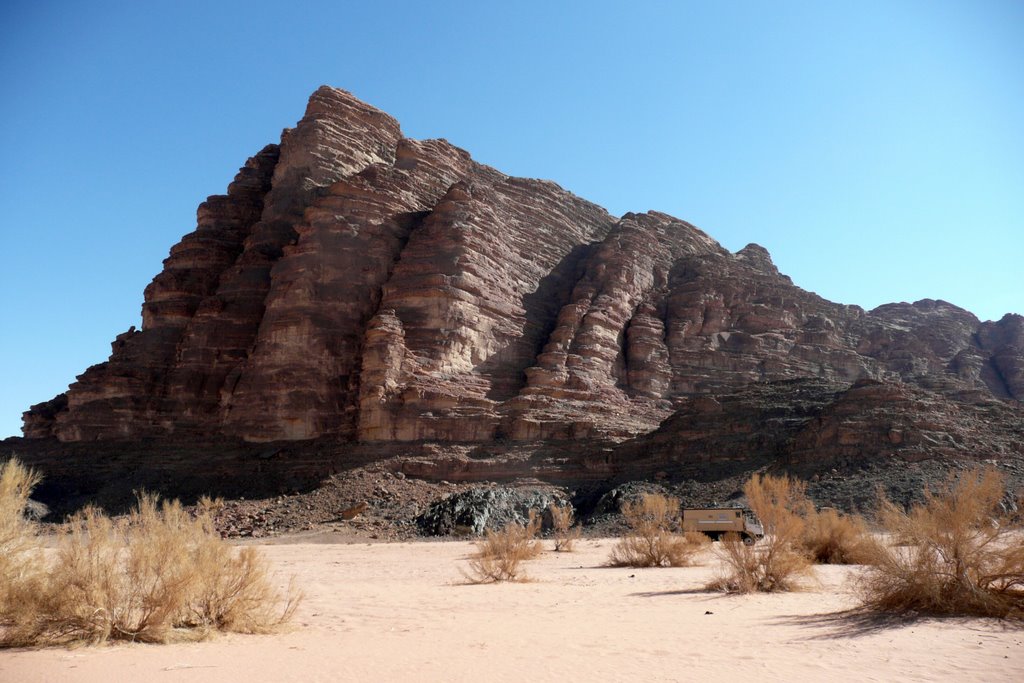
748	540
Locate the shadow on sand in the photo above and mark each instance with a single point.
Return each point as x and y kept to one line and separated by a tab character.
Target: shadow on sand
858	622
852	623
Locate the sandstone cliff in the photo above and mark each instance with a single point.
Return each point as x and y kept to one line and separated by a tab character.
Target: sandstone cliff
358	285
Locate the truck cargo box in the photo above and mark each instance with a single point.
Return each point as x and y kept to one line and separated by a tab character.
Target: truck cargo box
716	522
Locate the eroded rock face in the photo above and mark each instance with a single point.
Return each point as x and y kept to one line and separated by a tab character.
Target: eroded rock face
471	300
814	425
357	284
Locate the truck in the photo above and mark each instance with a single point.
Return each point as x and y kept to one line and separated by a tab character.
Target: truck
716	522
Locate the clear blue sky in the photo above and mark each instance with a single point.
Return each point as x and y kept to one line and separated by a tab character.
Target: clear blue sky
875	148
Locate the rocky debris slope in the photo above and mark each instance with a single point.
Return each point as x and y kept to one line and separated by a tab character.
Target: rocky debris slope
373	503
368	501
343	494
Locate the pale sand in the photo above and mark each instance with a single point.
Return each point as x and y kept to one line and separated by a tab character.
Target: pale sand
400	612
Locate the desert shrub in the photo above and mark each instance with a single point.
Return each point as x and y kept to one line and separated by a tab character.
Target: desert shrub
157	575
833	538
698	538
564	533
963	554
780	560
16	484
763	568
19	556
651	541
500	555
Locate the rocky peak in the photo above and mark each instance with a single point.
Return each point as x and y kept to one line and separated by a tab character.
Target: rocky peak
359	285
757	257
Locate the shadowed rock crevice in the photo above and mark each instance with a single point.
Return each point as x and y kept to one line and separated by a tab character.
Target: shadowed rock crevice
541	308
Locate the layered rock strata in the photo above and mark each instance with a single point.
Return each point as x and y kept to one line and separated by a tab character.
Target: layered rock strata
812	425
356	284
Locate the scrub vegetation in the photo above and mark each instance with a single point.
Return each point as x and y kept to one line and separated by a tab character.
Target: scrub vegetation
563	531
780	561
651	541
159	574
501	554
960	552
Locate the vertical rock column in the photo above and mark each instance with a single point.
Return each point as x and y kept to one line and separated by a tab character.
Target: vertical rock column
302	378
338	137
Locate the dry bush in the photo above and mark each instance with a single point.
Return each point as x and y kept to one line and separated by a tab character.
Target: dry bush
767	568
500	554
834	538
964	553
698	538
651	542
780	561
19	556
159	574
565	534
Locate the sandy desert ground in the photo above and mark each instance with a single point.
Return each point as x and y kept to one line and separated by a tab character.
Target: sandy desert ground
403	612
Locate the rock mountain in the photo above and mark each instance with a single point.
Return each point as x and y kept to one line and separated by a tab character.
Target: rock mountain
364	287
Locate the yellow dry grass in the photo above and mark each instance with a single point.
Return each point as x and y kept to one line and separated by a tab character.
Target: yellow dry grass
157	575
961	552
564	533
831	537
500	554
19	554
651	541
780	561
